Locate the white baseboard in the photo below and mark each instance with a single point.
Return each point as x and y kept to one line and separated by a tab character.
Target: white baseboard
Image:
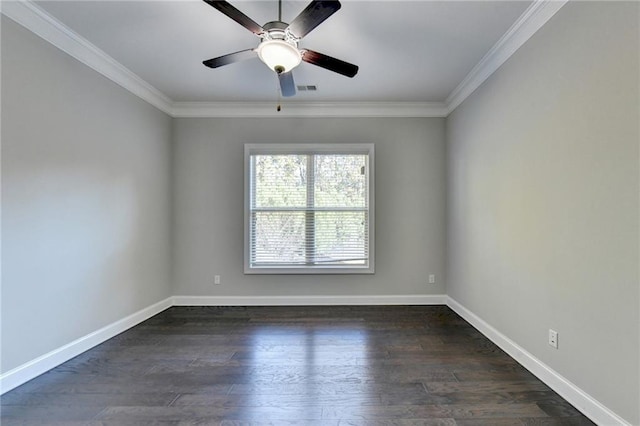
32	369
588	405
421	299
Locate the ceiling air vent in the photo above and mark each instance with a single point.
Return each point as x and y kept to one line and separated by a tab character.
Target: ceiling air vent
307	88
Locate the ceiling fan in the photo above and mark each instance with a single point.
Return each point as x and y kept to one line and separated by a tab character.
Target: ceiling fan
278	48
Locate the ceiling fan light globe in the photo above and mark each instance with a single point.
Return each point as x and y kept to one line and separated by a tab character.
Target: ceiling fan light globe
279	55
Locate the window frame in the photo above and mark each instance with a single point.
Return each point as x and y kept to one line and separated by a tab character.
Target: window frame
306	149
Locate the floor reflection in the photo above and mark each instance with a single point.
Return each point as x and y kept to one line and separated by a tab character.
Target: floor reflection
301	371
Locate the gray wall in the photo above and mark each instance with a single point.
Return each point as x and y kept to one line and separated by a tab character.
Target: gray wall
543	200
85	199
410	214
540	181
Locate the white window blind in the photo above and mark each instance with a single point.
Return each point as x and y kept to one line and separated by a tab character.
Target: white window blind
309	209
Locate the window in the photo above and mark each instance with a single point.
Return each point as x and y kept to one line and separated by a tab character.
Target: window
309	208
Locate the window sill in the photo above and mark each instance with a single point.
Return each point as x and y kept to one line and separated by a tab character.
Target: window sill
306	270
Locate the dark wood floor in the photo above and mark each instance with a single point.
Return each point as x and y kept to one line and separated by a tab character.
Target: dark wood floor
339	365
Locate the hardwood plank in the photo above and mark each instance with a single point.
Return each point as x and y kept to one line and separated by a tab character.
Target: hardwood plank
327	389
509	421
433	410
14	422
297	400
494	375
284	365
88	399
400	422
485	386
279	423
46	413
210	414
556	421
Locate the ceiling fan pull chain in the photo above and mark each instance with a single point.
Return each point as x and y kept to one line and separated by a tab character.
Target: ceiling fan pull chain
278	94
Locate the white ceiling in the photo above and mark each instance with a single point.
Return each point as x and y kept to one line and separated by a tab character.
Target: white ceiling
408	51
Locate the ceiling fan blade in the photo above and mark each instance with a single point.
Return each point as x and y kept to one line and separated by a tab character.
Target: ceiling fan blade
313	15
233	13
327	62
287	86
242	55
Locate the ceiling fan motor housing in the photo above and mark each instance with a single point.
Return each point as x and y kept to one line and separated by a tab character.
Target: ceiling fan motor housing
279	48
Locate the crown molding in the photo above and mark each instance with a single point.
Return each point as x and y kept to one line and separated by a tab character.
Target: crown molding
39	22
32	17
309	109
536	15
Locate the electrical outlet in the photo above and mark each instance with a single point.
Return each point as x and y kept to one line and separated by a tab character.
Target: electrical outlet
432	279
553	338
216	279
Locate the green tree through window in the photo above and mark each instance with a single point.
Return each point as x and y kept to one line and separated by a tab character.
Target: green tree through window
309	208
